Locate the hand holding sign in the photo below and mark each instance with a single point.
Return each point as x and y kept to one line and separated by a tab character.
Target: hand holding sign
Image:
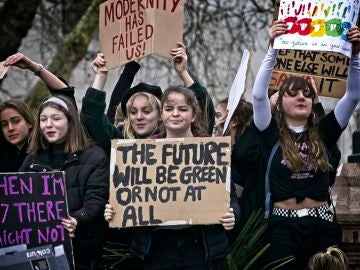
278	28
3	70
70	225
98	65
228	220
180	58
354	37
130	31
109	212
21	61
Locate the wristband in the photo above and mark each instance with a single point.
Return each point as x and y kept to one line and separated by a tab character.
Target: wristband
38	70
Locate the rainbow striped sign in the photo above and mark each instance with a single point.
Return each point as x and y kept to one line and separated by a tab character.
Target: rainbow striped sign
317	25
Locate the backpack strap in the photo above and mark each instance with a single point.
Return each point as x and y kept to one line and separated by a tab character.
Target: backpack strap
267	180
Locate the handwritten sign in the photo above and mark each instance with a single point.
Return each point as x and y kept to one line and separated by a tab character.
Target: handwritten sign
328	69
31	208
3	70
170	181
317	25
133	29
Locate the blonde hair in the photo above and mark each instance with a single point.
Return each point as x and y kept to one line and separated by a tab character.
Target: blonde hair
128	131
75	139
119	116
332	259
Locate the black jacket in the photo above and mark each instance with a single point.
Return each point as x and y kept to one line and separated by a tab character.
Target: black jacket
214	237
11	157
102	131
87	190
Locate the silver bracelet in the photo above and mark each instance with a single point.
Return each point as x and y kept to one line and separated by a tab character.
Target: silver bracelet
40	68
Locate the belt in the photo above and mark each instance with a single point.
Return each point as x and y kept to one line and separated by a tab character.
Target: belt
322	212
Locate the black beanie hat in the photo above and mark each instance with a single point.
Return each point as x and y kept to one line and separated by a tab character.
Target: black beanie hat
141	87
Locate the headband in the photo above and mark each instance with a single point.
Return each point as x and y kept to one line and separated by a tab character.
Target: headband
57	101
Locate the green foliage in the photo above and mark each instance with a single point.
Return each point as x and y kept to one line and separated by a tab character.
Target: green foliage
70	52
249	247
115	254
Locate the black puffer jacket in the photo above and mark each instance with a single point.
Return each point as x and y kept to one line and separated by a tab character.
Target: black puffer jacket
87	189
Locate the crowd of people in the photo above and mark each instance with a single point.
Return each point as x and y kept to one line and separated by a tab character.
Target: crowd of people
284	159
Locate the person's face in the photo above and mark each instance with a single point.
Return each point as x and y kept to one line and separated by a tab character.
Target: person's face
177	116
143	116
53	124
297	105
220	111
14	127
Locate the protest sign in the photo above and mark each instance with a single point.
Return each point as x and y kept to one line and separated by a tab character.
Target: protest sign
237	88
169	181
328	69
31	208
131	29
317	25
3	70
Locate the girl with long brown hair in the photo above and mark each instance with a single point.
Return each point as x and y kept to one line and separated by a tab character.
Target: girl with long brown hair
59	143
301	222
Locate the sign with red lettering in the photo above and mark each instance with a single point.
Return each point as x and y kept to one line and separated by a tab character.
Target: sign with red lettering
31	208
319	25
132	29
329	70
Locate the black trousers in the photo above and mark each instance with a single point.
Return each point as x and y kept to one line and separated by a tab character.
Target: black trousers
300	237
179	249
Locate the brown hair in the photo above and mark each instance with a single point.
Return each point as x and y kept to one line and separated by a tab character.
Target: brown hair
197	127
241	118
288	141
75	140
22	108
224	101
128	131
333	259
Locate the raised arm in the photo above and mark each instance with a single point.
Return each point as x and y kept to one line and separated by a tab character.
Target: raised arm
261	103
205	101
180	63
347	104
125	80
21	61
93	108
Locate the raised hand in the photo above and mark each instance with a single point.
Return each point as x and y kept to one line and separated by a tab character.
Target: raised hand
21	61
354	37
98	65
180	58
278	28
